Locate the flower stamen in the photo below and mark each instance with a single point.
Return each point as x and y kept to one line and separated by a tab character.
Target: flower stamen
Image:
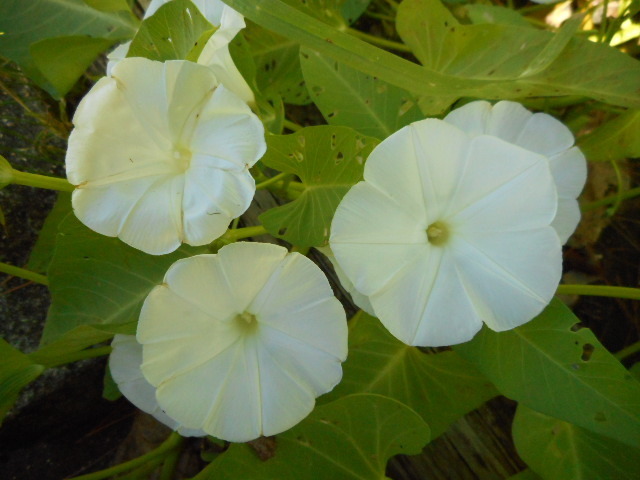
437	233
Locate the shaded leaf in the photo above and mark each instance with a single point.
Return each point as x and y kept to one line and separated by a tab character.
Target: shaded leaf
556	449
494	14
25	23
614	140
16	371
328	160
351	10
351	438
109	5
176	31
42	252
353	99
439	387
98	280
553	366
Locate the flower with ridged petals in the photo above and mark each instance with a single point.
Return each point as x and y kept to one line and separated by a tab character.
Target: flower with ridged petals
540	133
450	230
124	364
160	155
215	53
240	343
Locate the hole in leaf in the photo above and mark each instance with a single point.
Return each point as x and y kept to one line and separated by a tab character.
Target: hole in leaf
576	326
587	350
282	231
333	141
339	158
317	89
332	114
575	366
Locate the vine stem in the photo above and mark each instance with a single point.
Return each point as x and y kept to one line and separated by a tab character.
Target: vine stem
600	291
23	273
294	127
603	202
379	41
41	181
239	233
628	351
174	442
273	180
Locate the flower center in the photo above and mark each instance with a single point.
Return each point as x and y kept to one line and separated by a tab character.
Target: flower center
437	233
246	322
182	158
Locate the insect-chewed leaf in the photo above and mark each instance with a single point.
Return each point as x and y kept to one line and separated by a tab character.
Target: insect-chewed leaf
329	161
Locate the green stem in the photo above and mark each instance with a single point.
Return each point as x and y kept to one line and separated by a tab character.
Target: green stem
628	351
294	127
173	442
41	181
273	180
22	273
600	291
379	41
603	202
169	465
240	233
63	359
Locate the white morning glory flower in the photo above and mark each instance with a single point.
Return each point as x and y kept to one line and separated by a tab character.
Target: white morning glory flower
124	364
239	344
215	53
448	230
540	133
160	155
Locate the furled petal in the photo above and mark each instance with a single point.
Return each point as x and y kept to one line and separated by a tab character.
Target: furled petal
240	343
124	365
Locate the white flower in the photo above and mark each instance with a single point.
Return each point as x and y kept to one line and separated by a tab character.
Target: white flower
539	133
124	364
215	53
160	155
240	343
448	230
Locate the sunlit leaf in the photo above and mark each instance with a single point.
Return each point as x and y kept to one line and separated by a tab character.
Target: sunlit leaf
351	438
348	97
559	369
352	9
614	140
329	161
176	31
25	23
439	387
16	371
559	450
98	280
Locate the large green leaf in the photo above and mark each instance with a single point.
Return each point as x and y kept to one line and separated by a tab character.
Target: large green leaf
559	450
517	62
25	23
439	387
352	9
354	99
43	250
176	31
98	280
329	161
614	140
16	371
351	438
556	368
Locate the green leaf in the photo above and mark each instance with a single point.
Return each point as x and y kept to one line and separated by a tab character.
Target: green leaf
25	23
43	250
98	280
559	450
109	5
559	369
67	345
351	10
110	390
614	140
439	387
354	99
493	14
16	371
329	161
177	31
351	438
6	173
277	63
525	475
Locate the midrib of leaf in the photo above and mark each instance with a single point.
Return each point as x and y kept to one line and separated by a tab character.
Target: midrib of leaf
395	359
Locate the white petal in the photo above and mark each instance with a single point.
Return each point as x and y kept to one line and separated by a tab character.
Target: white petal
567	218
545	135
227	129
117	54
153	224
507	121
512	276
569	170
219	60
472	118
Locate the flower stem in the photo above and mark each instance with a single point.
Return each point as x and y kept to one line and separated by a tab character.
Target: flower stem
628	351
603	202
23	273
41	181
379	41
599	291
172	443
294	127
240	233
273	180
